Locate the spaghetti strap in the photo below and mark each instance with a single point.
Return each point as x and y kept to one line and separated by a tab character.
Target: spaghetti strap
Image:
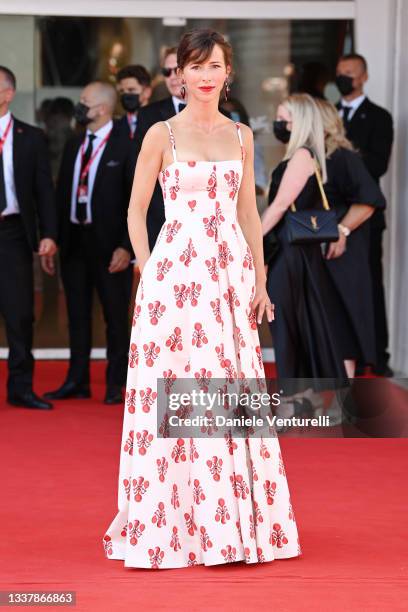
172	140
240	140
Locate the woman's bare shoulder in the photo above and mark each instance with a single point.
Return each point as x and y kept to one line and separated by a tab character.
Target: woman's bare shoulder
156	135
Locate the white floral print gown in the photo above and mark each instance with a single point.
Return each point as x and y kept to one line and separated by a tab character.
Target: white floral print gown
190	501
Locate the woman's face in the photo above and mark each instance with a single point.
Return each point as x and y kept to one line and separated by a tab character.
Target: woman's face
205	81
283	114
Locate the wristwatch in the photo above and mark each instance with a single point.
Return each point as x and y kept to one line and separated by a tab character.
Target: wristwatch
344	229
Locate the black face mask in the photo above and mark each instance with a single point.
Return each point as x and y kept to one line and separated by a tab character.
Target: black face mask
130	102
344	84
81	114
280	129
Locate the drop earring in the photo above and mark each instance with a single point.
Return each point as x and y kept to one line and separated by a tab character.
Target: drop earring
227	89
183	91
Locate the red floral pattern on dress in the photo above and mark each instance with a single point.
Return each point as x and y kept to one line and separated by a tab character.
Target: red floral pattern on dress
175	342
239	486
188	253
278	537
163	268
156	556
212	267
172	230
128	448
147	398
130	400
136	529
162	467
143	441
222	515
232	178
212	183
270	491
156	311
174	189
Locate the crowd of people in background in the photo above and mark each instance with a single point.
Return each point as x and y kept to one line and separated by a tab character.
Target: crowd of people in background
74	185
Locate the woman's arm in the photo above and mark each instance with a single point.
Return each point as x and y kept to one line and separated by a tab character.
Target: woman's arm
296	175
148	167
247	212
250	223
355	216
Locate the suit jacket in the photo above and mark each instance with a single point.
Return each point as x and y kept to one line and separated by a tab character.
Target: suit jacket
371	132
148	116
110	194
33	182
123	126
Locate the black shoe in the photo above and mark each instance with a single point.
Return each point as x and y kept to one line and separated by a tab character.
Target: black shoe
360	370
113	396
385	371
28	399
69	390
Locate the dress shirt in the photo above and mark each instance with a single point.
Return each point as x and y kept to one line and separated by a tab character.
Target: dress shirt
177	102
8	168
100	135
353	104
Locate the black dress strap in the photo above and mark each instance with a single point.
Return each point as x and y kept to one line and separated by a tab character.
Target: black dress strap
312	153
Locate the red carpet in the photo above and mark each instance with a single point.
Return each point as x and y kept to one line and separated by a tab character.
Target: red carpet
58	485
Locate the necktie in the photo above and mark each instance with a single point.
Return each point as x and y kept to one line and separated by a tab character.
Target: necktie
181	107
3	201
346	113
81	206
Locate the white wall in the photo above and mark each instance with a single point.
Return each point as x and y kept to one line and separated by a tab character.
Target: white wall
398	231
18	56
381	27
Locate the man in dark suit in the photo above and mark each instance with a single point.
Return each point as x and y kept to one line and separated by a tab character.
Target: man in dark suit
148	116
133	84
370	129
26	200
93	193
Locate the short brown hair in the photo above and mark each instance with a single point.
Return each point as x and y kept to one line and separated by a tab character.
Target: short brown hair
197	46
135	71
355	56
168	51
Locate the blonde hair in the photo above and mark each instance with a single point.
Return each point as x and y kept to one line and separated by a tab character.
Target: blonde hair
307	128
335	134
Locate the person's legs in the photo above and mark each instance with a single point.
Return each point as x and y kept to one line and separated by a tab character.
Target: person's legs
380	316
114	290
78	286
16	303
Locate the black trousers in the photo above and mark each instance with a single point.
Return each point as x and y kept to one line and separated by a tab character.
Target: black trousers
16	302
380	316
83	269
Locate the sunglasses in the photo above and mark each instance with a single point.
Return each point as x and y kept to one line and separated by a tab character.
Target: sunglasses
166	72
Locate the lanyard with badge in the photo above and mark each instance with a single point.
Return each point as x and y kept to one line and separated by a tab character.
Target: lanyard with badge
6	133
82	186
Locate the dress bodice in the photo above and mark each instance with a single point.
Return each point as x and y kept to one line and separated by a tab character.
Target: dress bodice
189	186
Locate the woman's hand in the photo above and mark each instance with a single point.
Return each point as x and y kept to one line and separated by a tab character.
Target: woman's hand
336	249
262	302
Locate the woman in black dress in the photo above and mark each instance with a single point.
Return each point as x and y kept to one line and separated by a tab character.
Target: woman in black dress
354	194
304	330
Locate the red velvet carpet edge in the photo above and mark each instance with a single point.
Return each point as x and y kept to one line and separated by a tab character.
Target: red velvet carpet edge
58	495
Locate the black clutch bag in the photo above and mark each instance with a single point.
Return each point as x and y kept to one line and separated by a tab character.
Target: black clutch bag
312	224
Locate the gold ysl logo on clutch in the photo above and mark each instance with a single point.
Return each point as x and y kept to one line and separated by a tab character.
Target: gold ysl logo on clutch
314	222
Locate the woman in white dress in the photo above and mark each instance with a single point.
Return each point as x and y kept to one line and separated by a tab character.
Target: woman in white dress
191	500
